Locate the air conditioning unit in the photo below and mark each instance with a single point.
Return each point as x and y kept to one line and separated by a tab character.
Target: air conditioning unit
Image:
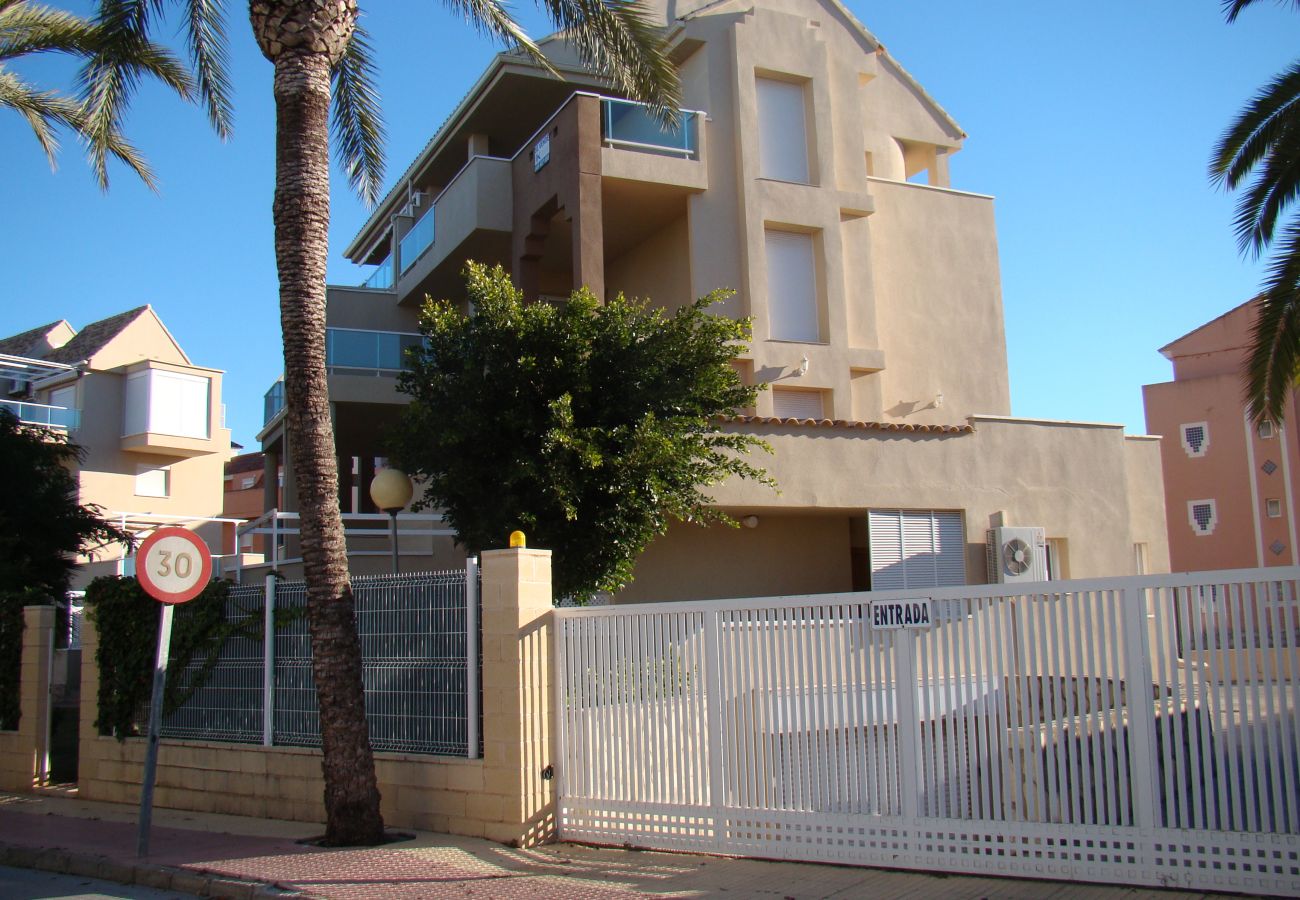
1016	555
417	199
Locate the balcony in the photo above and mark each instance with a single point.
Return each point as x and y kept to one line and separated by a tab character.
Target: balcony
353	351
631	126
417	240
382	278
57	417
470	217
636	146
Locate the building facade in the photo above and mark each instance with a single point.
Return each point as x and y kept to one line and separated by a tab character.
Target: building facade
810	173
149	421
1229	483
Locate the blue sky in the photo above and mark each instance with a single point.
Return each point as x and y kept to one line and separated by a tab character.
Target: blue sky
1090	123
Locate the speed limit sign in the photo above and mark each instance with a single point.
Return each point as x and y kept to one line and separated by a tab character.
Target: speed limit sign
173	565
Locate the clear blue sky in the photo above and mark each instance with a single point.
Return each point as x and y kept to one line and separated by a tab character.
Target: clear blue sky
1090	123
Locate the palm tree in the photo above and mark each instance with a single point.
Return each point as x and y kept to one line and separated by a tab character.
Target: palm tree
315	45
29	28
1262	147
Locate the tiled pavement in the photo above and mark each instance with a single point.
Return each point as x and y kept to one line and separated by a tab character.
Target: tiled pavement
236	857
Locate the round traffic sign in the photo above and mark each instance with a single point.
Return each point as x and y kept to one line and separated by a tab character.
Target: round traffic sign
173	565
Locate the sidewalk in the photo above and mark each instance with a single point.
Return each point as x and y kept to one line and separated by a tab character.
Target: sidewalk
236	857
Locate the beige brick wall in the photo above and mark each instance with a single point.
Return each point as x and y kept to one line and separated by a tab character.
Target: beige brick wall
24	754
502	797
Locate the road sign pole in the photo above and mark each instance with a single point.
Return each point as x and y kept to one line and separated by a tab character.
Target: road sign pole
155	726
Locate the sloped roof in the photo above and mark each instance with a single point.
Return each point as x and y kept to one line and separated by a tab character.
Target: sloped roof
26	343
848	424
245	462
93	338
1191	343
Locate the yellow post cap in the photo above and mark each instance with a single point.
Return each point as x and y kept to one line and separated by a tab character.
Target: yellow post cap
517	540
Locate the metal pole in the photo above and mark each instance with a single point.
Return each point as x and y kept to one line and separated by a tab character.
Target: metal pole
392	530
155	725
268	664
471	657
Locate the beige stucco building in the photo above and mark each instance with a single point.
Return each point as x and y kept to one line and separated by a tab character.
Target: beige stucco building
1229	483
811	174
147	418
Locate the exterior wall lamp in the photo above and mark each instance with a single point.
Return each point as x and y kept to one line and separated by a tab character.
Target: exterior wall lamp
391	490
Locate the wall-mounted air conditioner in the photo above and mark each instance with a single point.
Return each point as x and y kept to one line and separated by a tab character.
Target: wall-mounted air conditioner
1016	554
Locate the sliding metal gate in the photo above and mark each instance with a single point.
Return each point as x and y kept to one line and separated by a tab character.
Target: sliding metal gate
1136	730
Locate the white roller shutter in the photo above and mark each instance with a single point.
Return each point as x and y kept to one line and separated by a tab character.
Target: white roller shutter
792	287
916	548
782	131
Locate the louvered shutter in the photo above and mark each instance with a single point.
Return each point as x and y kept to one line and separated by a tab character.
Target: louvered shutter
913	548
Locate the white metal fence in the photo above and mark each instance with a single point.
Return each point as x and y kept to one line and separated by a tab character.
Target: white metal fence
417	633
1136	730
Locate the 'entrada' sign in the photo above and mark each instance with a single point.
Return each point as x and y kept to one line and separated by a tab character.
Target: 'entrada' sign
913	613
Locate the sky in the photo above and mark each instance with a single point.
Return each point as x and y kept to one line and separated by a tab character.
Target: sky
1091	125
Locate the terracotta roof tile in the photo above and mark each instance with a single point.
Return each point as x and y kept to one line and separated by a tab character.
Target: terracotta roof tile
91	339
849	424
25	343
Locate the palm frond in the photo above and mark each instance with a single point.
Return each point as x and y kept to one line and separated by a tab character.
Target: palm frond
1233	8
1262	142
619	40
43	110
1274	361
357	122
209	52
109	78
27	28
491	17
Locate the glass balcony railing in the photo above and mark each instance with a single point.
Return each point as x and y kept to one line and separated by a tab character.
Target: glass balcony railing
47	416
625	123
373	351
273	401
417	240
382	278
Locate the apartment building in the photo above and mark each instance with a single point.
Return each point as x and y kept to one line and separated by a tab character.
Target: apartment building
147	418
1229	483
812	174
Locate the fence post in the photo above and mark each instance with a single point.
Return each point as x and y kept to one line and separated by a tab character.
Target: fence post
275	539
1143	766
268	663
517	801
471	657
909	747
713	724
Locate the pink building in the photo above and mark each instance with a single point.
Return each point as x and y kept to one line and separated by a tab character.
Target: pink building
1229	484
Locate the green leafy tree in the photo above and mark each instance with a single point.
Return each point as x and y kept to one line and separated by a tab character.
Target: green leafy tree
30	28
588	426
1261	151
42	527
322	67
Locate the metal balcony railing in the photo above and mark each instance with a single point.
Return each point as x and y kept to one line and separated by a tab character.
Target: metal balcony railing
59	417
625	123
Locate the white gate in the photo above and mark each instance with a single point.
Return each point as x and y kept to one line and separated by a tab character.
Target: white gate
1133	730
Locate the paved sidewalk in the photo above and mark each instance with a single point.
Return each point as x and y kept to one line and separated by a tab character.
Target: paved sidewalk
236	857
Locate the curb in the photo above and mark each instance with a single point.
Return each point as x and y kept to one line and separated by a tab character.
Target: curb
166	878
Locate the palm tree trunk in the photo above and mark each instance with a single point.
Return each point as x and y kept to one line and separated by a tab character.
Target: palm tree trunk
301	213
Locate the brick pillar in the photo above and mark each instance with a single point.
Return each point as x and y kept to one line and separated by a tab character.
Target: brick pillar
33	735
517	633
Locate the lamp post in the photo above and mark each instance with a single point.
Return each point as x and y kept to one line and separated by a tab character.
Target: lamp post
391	490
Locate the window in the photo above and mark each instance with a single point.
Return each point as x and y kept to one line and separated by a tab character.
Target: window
1266	430
1196	438
1057	560
1274	508
1202	516
247	482
792	287
782	131
796	404
152	481
1140	564
916	548
166	402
